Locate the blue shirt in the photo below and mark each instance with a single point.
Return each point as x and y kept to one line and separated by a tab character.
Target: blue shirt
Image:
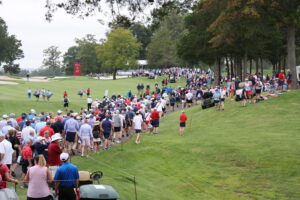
106	125
67	174
71	126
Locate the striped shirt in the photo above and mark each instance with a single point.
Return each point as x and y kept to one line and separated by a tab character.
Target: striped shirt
71	126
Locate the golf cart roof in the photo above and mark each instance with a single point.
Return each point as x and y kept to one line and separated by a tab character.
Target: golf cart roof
94	191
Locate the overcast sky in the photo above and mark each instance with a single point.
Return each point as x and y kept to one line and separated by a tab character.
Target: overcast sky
26	20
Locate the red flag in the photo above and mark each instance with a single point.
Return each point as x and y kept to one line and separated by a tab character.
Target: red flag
77	69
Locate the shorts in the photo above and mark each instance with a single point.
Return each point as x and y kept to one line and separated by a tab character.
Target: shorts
85	140
138	131
189	101
106	135
232	90
172	104
223	100
66	105
155	123
216	101
70	137
117	129
248	92
289	82
25	165
280	83
164	109
97	140
258	91
88	94
182	124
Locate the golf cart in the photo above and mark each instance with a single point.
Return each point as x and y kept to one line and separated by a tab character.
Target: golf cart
208	101
90	191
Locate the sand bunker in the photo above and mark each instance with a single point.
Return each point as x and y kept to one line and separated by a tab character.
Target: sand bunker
33	79
8	83
110	77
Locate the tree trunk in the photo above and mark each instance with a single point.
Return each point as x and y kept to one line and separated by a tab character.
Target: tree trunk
291	48
284	64
245	61
115	75
231	68
217	71
261	67
251	66
227	67
240	70
256	66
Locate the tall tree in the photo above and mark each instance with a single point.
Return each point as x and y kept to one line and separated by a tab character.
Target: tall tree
87	54
69	58
52	58
10	49
119	51
162	48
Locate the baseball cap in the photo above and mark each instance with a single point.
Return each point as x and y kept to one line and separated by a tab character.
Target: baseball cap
39	138
5	116
59	112
64	156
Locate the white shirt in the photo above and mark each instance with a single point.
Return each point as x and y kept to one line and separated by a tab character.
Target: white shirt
189	96
26	131
138	120
6	128
89	100
7	150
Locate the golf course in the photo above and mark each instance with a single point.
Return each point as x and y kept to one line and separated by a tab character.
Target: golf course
241	153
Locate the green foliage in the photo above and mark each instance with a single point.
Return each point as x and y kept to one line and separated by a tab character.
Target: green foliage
87	54
10	48
69	58
52	58
119	51
12	68
162	48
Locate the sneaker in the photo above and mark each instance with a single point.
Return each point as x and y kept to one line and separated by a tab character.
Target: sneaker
13	174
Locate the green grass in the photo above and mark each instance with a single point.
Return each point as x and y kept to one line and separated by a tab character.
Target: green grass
241	153
13	98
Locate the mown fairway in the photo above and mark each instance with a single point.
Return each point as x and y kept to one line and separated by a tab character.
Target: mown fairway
13	98
241	153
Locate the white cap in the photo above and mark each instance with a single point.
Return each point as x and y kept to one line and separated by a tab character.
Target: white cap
5	116
64	156
74	114
39	138
12	115
56	136
32	111
59	112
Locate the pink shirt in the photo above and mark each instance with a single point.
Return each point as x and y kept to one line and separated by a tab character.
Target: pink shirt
38	186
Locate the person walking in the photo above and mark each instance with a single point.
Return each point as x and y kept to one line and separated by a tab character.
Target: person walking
137	123
29	93
66	179
38	178
155	121
89	101
54	152
182	122
6	151
71	127
117	122
106	126
85	135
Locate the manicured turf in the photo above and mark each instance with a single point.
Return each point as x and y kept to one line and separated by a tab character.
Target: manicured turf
13	98
241	153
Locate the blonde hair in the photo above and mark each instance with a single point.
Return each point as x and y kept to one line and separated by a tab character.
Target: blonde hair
40	160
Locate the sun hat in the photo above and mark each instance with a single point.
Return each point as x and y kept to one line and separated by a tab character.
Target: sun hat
39	138
64	156
32	111
59	112
55	137
5	116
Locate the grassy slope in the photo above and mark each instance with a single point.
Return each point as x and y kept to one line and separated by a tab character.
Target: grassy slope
242	153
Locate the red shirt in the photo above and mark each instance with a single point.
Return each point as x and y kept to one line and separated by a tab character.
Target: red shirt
3	169
154	115
46	128
54	152
281	76
26	151
182	118
65	94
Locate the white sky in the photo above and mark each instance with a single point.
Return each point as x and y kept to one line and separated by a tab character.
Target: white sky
26	20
